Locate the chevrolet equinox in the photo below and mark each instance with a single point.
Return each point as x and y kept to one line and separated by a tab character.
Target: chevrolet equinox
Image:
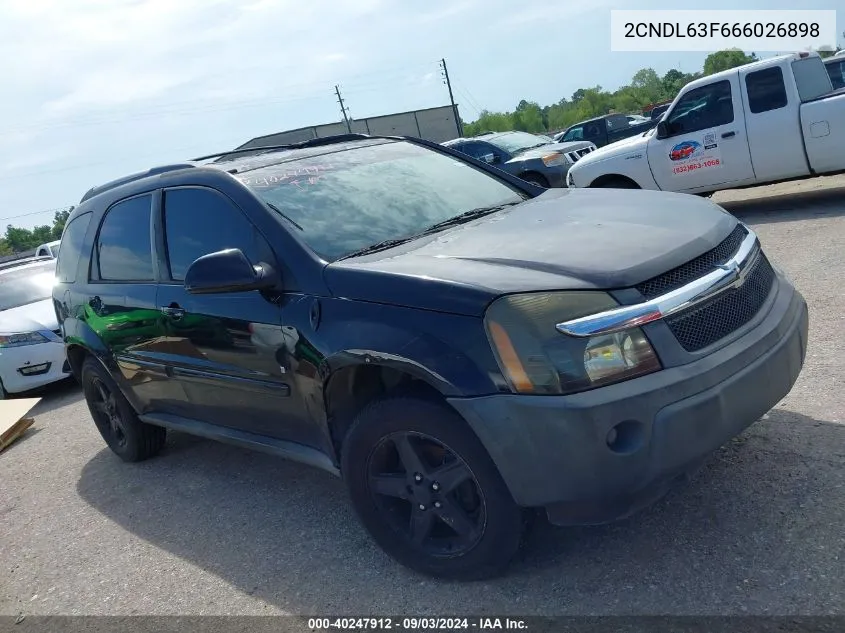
462	347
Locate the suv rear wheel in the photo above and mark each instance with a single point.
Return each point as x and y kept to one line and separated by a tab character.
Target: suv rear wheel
128	437
428	492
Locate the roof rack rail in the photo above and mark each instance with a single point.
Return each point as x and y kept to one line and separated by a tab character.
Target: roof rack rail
153	171
312	142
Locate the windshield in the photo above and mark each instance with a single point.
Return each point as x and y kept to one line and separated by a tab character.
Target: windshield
346	200
514	142
27	284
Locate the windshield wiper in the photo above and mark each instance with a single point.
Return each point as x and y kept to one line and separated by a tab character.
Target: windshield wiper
466	216
281	213
380	246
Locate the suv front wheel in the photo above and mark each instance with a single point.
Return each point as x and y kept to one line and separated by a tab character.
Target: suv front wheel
428	492
128	437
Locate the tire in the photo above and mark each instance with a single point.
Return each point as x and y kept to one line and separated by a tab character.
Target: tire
617	183
536	179
458	483
128	437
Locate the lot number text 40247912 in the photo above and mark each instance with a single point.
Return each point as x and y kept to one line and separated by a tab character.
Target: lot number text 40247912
417	624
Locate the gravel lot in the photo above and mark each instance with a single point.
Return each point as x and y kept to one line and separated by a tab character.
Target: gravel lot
211	529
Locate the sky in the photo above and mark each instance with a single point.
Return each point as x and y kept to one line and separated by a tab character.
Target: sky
93	90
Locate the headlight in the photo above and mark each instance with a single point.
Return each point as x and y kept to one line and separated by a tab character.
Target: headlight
25	338
535	358
553	160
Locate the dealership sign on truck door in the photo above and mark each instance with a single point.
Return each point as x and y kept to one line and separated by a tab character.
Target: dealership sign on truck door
699	151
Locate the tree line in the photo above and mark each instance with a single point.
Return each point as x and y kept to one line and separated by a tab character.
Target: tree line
19	240
646	88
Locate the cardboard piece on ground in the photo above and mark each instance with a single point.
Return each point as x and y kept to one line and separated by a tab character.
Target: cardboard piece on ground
13	420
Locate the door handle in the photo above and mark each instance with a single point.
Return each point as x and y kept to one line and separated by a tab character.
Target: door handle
173	311
729	134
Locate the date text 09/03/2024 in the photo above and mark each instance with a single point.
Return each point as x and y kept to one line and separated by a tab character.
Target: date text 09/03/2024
417	624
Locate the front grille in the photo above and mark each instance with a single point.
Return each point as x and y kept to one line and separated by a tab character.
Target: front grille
579	153
699	327
695	268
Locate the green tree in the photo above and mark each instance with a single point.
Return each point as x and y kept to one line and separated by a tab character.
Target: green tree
648	85
724	60
59	219
17	240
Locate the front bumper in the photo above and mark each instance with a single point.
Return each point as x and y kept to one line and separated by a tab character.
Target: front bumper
600	455
45	362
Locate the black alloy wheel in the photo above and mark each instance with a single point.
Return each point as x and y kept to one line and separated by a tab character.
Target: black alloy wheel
106	413
428	494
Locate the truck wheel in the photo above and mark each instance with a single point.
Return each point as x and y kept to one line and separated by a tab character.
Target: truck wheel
128	437
427	491
535	179
617	183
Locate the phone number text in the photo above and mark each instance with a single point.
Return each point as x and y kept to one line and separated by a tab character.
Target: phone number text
725	29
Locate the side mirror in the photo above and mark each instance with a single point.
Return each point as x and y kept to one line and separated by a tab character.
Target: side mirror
662	129
228	271
490	158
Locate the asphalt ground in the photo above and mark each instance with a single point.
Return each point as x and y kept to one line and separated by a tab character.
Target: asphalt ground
207	528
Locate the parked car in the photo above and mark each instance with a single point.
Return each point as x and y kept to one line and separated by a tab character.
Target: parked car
534	158
767	121
32	353
50	249
461	346
836	70
604	130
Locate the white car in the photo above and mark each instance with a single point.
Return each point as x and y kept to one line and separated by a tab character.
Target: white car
50	249
32	352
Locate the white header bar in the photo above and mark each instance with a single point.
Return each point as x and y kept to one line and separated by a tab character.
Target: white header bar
712	30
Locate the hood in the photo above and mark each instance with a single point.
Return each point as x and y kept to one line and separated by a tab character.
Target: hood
563	239
543	150
31	317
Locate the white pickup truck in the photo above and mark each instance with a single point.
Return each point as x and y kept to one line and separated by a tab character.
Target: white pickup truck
770	120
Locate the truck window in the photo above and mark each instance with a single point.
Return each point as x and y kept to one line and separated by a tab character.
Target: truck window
811	78
575	134
702	108
766	90
836	71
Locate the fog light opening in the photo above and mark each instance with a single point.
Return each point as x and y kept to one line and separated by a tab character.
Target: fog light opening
626	437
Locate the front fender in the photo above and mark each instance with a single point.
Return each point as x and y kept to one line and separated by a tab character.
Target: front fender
449	352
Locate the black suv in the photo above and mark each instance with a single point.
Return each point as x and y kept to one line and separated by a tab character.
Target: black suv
461	346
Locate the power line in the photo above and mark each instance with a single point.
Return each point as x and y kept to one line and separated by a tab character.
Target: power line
474	102
31	213
174	108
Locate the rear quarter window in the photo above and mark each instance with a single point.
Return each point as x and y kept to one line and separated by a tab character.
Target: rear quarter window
71	249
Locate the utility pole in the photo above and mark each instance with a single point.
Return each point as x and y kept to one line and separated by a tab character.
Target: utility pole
451	98
343	109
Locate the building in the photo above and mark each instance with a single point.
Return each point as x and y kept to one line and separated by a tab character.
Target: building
434	124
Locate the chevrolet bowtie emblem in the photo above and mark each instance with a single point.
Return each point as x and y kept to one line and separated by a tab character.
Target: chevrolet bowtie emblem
737	275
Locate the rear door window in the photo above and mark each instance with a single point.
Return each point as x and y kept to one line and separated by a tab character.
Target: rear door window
123	248
766	90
